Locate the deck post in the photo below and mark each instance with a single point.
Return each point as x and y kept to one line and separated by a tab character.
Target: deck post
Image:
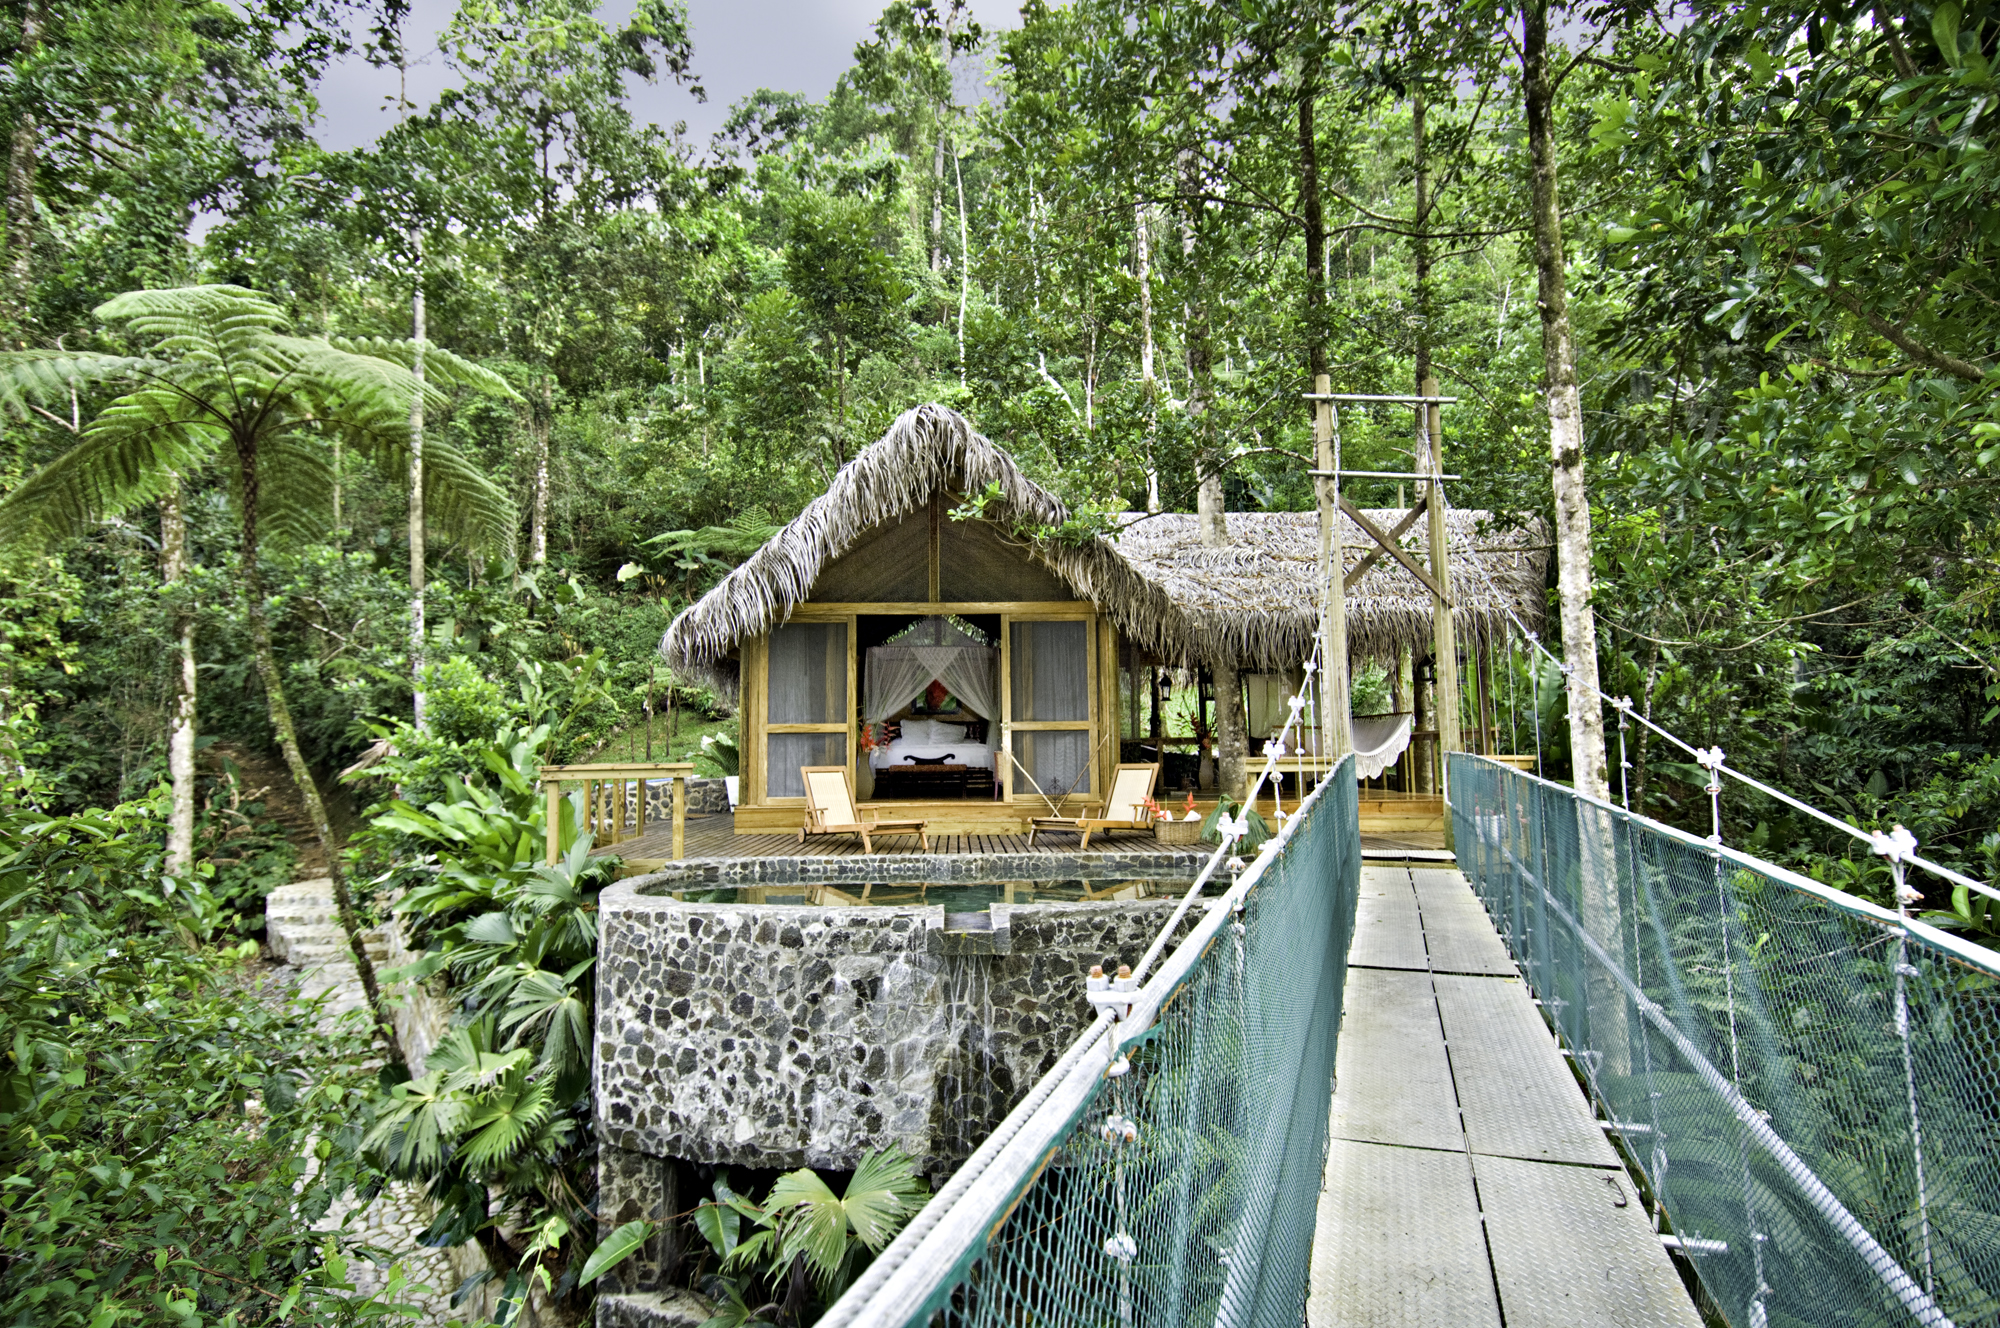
1336	720
680	787
1444	631
554	823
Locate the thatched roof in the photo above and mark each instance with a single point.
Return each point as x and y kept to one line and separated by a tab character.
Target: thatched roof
1253	601
925	450
1256	599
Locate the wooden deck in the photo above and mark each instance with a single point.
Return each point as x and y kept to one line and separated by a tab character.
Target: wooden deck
716	837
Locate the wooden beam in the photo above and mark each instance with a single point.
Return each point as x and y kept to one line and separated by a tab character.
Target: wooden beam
1367	564
553	826
680	816
1336	718
1393	549
1444	631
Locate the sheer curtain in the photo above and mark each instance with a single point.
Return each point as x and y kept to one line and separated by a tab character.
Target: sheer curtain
895	678
973	676
1051	670
933	649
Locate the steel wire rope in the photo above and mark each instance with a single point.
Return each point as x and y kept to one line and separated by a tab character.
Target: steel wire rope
1876	840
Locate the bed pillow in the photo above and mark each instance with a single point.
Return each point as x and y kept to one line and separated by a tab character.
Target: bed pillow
923	732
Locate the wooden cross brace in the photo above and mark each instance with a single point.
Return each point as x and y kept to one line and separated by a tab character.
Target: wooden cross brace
1390	545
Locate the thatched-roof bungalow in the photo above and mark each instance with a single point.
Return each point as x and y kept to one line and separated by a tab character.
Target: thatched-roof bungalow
958	662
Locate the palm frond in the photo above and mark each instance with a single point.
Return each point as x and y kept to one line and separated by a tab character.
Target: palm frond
130	454
45	378
371	392
441	367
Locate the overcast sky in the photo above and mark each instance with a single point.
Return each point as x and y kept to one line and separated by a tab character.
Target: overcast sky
739	46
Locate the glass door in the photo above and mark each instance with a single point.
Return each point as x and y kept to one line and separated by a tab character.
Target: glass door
809	703
1050	734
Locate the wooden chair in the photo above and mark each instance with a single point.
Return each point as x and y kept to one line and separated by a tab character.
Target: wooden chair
1125	809
830	810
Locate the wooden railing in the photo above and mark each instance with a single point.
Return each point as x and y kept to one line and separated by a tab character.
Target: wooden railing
607	790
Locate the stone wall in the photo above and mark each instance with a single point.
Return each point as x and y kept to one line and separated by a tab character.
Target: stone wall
706	797
785	1035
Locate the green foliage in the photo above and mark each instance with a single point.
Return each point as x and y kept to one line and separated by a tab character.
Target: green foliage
163	1127
801	1231
1255	833
497	1121
722	749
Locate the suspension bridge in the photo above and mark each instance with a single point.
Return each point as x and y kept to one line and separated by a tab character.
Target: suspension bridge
1602	1072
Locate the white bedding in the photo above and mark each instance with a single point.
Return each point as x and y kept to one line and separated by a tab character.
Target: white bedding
899	752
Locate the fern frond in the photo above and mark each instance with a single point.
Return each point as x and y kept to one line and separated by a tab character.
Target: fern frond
462	503
294	488
45	377
129	455
441	367
181	311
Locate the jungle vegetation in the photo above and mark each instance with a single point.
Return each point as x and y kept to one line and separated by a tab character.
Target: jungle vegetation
428	441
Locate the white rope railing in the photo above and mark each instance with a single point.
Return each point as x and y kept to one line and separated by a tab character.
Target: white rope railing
1897	846
948	1231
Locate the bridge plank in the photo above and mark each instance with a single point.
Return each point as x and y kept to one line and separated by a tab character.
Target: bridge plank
1398	1242
1565	1253
1388	930
1457	932
1518	1097
1394	1077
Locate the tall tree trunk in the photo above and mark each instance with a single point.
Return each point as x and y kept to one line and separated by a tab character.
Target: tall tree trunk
1420	252
1601	903
840	390
295	761
23	155
181	715
1231	748
417	526
1565	405
1315	222
964	261
538	520
937	188
1209	504
1149	383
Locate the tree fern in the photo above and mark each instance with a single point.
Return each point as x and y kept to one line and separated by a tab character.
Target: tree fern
226	385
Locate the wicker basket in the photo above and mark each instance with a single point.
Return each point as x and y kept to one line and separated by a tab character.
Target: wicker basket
1177	832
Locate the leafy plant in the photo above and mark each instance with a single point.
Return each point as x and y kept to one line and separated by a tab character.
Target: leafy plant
805	1238
497	1123
169	1136
721	748
1256	832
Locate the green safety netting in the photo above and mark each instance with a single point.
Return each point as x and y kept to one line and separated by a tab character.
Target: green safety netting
1809	1083
1182	1190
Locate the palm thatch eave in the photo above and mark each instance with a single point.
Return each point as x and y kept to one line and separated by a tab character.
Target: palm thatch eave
927	450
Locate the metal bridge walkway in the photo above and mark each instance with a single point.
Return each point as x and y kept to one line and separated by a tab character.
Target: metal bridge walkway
1466	1178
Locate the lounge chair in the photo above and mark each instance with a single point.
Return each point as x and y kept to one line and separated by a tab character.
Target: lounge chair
1125	809
830	810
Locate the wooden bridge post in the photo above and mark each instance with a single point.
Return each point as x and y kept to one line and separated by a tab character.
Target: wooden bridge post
680	788
1444	632
1336	719
553	826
